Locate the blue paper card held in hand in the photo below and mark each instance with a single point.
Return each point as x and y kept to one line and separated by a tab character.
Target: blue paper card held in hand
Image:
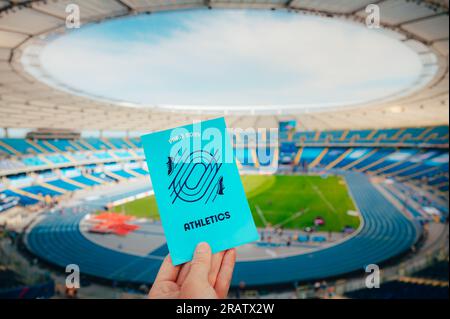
198	190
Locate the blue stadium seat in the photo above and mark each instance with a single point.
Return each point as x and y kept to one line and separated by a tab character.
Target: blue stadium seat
123	154
136	142
21	145
385	133
97	143
119	143
381	153
23	200
57	158
122	173
103	155
38	189
310	153
85	180
44	146
79	156
332	155
64	185
64	145
33	161
439	132
103	177
393	158
358	134
140	171
354	155
412	133
5	151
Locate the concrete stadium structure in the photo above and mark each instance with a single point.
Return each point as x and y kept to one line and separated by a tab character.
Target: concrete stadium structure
27	102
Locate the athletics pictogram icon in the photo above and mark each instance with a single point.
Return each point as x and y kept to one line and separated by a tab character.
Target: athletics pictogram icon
195	177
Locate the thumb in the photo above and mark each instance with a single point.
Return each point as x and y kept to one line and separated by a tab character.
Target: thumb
201	263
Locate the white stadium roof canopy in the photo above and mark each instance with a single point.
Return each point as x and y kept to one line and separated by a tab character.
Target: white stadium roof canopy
26	102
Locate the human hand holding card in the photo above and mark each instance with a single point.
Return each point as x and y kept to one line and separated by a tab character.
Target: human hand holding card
198	190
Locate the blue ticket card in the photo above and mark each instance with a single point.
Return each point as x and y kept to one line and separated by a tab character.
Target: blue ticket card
198	189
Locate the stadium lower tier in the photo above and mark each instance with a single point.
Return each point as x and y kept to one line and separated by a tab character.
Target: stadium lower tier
70	180
427	167
429	283
12	287
384	233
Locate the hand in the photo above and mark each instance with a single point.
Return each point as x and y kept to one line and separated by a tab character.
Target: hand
207	276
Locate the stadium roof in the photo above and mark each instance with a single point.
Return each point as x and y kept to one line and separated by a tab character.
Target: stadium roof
29	103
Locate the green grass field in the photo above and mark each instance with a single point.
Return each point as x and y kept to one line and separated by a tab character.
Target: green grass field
291	201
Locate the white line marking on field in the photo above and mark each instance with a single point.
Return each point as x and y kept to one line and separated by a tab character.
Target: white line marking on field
319	192
294	216
261	215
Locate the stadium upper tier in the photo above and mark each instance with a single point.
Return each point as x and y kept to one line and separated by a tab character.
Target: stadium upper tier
433	136
437	136
27	102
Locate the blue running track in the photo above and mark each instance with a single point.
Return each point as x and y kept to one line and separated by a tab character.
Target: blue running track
385	233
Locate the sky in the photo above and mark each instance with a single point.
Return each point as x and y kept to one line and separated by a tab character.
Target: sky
231	58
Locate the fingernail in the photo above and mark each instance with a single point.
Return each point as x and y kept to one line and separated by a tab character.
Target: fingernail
202	248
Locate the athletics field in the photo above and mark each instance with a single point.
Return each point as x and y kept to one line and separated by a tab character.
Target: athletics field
282	200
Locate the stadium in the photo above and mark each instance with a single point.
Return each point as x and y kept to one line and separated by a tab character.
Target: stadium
339	129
